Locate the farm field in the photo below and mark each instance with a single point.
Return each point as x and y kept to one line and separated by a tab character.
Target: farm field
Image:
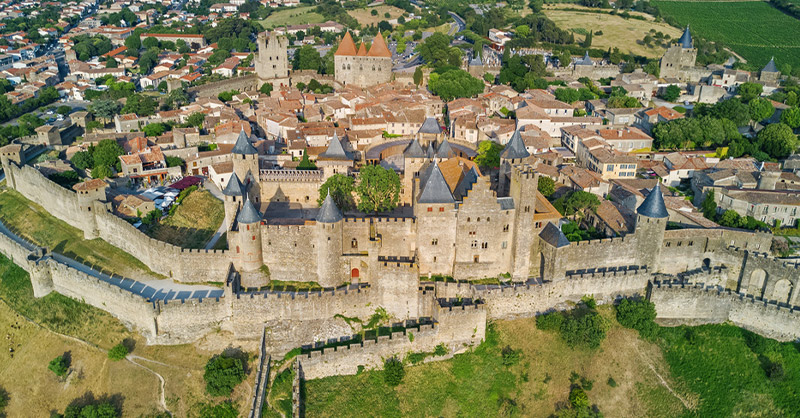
710	370
293	16
754	30
617	32
365	17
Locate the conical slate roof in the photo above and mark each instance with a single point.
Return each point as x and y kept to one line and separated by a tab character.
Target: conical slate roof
346	46
243	145
378	48
234	187
585	60
414	150
515	148
249	214
466	184
445	150
770	67
335	150
436	189
653	205
476	61
329	212
430	126
686	39
553	235
430	152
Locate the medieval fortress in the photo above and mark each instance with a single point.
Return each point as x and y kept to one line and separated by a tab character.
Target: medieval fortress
454	222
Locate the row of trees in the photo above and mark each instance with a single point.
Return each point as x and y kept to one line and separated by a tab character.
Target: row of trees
378	190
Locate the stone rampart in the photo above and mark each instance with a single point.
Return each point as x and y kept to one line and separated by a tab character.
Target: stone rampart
691	304
243	83
455	327
184	321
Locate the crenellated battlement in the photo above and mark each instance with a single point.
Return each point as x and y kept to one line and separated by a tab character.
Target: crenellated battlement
292	175
602	241
361	291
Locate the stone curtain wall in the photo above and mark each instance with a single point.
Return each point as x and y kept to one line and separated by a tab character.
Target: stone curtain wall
691	304
455	328
179	264
242	83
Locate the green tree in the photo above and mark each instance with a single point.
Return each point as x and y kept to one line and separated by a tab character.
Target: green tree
378	189
150	42
305	163
59	366
152	217
174	161
453	84
437	52
341	188
671	93
523	31
224	409
196	119
547	186
536	5
82	160
566	94
730	219
587	41
118	352
578	398
638	314
105	108
104	409
266	88
139	104
393	372
307	58
133	42
749	91
222	374
106	153
111	63
791	117
777	140
101	172
709	205
488	154
154	129
760	109
63	110
418	75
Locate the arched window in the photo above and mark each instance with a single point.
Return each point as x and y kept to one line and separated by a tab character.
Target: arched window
354	243
474	244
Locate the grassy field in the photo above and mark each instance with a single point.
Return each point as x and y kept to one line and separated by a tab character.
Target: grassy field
194	222
712	370
478	384
32	387
35	224
754	30
617	32
292	16
365	17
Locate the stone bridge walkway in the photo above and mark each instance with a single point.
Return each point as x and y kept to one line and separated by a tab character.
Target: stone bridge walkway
150	290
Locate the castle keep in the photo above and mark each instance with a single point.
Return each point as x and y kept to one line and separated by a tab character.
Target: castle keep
362	67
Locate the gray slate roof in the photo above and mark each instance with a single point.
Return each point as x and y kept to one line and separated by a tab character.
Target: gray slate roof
585	60
445	150
686	39
653	205
515	148
435	189
414	150
234	187
335	150
430	152
553	235
770	67
243	145
430	126
329	212
506	203
249	214
466	184
476	61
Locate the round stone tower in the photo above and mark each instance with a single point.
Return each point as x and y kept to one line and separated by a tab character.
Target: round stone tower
329	243
234	193
248	249
651	222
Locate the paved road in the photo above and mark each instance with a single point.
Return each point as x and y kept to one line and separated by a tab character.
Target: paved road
459	21
74	104
211	187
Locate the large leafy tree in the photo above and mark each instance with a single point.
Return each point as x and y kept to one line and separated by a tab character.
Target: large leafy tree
139	104
671	93
777	140
750	91
105	108
437	52
341	188
791	117
760	109
307	58
488	154
378	189
222	374
106	153
453	84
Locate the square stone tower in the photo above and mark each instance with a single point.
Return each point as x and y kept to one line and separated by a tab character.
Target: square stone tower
272	62
679	57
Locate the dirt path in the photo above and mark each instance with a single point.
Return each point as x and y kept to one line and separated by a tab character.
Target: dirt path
162	391
661	379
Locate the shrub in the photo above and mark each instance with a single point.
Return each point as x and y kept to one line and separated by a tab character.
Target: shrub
611	382
578	398
59	366
224	409
639	315
589	301
584	328
440	350
510	356
222	374
118	352
152	217
550	321
393	372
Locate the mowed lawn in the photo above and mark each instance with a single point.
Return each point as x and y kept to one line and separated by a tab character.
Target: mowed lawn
365	17
35	224
193	223
754	30
292	16
617	32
